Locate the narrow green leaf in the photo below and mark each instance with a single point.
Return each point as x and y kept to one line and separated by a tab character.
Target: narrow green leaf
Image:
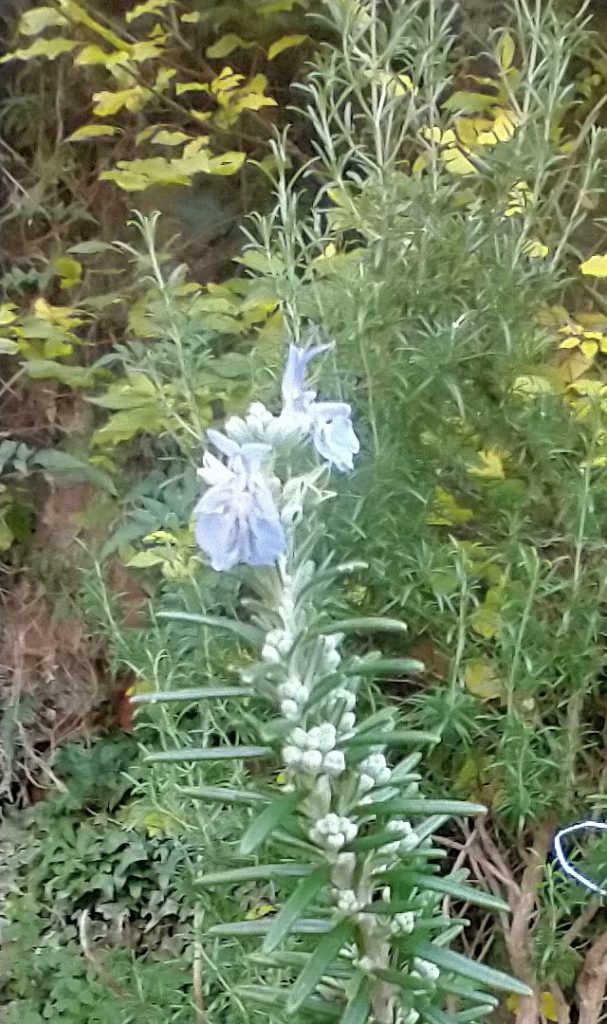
374	841
384	666
242	929
196	693
326	951
448	960
221	795
253	873
396	738
275	997
434	1015
368	624
474	1013
279	811
207	754
304	893
459	892
296	961
358	1009
461	987
454	808
248	633
394	977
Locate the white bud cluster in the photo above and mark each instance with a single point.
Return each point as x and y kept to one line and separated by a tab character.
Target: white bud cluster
374	771
293	696
277	646
347	701
411	1017
331	656
314	751
334	831
347	901
424	969
409	838
403	923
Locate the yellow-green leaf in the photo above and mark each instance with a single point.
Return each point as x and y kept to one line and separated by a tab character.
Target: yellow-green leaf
49	48
191	18
8	347
446	511
226	45
481	680
35	21
548	1005
94	54
505	51
109	103
94	131
535	249
183	87
486	620
596	266
491	466
148	7
69	270
284	43
7	313
168	138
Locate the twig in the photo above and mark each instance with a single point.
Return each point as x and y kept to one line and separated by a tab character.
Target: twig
197	969
592	982
94	962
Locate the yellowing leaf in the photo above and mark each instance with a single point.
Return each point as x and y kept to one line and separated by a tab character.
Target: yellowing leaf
149	7
481	680
93	54
70	271
530	386
191	18
491	465
183	87
502	129
35	21
445	511
260	910
505	51
109	103
596	266
547	1005
167	138
7	314
284	43
49	48
94	131
226	45
486	620
535	249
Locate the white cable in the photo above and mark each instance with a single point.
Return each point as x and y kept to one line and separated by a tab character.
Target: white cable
593	826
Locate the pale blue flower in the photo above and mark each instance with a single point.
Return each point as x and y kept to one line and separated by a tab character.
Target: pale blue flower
236	520
329	423
333	434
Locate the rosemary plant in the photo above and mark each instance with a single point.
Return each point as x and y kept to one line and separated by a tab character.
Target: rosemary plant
344	832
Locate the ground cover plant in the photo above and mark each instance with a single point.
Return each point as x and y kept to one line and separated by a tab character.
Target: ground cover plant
436	213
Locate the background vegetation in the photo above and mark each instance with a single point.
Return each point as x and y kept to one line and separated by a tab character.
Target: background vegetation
436	206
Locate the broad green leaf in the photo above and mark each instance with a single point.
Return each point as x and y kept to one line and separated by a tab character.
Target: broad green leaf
241	929
94	131
481	680
196	693
73	376
49	48
358	1010
55	461
325	952
367	624
226	45
596	266
122	426
219	794
284	43
277	813
466	893
35	21
254	874
448	960
8	347
243	630
208	754
300	899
